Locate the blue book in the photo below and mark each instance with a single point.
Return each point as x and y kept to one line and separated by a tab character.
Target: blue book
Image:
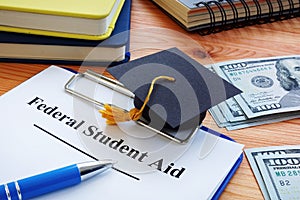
27	48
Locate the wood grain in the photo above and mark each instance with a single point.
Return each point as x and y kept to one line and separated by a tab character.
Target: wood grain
272	39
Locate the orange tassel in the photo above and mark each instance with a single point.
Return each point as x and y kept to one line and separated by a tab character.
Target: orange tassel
114	114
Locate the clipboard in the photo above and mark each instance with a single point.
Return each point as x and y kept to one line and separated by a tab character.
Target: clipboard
119	87
233	169
50	142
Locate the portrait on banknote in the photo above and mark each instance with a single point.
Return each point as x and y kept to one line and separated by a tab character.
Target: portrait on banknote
288	74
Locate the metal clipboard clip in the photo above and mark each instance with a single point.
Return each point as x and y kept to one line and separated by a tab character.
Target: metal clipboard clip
182	136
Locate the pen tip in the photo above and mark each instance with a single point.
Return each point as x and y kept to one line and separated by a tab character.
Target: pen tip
107	162
88	169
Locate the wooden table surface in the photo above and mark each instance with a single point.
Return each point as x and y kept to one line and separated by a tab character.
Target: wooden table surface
272	39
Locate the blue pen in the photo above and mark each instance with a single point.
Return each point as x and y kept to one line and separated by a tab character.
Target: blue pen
40	184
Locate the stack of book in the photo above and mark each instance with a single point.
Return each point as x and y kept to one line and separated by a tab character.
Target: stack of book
65	32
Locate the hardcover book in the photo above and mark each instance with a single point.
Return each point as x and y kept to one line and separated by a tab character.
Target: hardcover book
91	19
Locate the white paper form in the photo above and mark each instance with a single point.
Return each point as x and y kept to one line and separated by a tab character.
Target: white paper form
42	129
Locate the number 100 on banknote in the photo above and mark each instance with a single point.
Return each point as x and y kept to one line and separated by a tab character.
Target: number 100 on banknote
281	175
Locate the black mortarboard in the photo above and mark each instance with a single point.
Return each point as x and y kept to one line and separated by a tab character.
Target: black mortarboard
173	104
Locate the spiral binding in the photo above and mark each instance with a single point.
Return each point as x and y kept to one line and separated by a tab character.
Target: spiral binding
248	19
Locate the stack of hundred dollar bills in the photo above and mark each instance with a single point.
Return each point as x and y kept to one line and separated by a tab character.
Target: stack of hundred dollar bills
271	91
277	171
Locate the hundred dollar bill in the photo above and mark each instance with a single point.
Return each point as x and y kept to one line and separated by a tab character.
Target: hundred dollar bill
229	108
252	155
269	85
263	120
281	175
232	111
223	121
218	117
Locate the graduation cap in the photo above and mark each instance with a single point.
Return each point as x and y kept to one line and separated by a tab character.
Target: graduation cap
181	89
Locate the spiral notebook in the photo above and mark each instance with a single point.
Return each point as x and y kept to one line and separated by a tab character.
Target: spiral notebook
212	16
